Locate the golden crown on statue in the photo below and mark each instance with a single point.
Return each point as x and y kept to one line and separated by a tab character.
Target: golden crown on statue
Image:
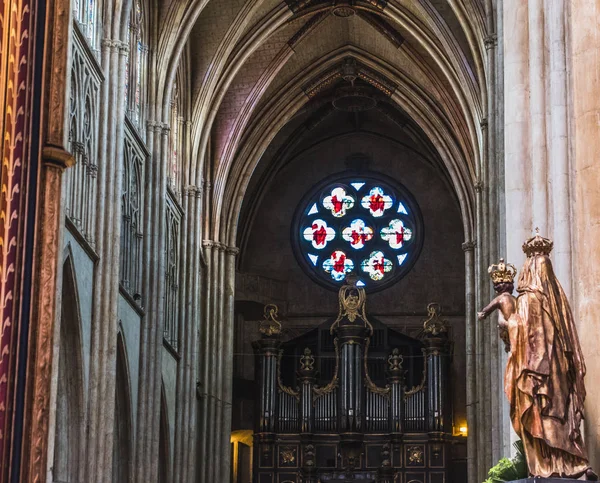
502	272
538	245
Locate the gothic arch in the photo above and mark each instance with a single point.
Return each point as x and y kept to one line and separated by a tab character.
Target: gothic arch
123	429
69	453
231	184
163	439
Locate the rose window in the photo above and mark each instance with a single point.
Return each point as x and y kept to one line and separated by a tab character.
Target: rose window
367	226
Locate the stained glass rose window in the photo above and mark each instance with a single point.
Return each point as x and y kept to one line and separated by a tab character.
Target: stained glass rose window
367	225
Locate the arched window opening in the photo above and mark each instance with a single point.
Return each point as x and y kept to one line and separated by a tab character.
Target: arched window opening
84	12
365	224
132	199
174	175
135	67
81	180
172	258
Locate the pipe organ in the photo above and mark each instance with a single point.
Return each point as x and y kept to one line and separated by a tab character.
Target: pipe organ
350	416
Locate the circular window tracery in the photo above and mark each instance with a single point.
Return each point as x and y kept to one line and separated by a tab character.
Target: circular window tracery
363	224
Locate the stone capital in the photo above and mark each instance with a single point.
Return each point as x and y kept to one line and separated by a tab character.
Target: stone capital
192	191
469	246
491	41
57	157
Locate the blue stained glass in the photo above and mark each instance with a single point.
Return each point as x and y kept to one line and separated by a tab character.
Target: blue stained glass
367	228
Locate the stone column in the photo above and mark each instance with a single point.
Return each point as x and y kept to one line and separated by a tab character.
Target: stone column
583	41
230	255
471	348
517	129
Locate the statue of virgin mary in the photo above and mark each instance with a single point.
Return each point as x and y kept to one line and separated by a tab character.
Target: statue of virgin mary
546	390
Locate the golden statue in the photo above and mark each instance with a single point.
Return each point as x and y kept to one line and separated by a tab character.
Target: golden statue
545	369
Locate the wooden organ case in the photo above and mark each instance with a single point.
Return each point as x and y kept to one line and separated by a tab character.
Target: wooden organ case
351	429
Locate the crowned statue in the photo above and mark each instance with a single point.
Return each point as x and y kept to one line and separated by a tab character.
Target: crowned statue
544	378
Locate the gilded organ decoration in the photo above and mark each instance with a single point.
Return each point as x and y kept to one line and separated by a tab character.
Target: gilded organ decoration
395	361
434	325
307	361
287	456
270	326
415	455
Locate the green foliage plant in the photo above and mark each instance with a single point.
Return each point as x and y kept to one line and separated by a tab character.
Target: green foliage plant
509	469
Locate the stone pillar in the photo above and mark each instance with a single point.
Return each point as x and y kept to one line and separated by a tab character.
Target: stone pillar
517	135
583	41
471	348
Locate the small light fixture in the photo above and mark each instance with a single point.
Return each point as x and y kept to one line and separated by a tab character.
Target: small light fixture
461	430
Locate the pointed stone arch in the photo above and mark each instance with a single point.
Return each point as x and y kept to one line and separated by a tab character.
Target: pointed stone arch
123	427
163	439
69	453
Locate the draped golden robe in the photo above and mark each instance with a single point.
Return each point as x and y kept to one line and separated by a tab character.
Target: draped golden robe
544	375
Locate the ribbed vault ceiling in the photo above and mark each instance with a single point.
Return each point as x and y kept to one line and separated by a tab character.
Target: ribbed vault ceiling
253	64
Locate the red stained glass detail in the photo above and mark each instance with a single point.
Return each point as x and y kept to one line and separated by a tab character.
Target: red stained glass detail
338	204
357	234
319	234
376	203
339	263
